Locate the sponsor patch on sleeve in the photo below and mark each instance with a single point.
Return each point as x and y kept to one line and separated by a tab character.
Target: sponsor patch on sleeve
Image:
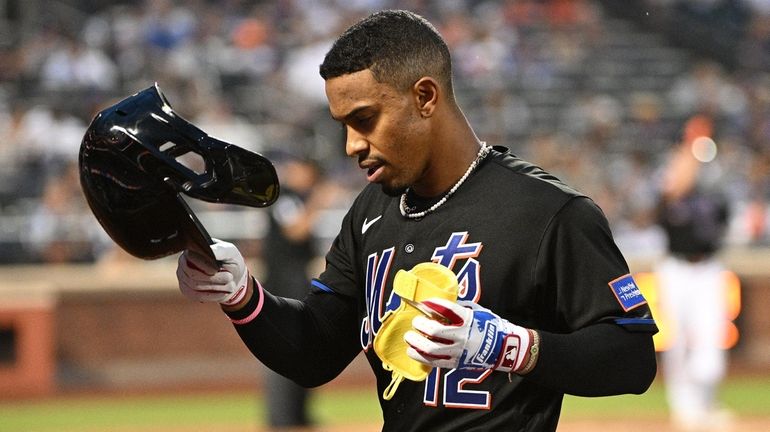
627	292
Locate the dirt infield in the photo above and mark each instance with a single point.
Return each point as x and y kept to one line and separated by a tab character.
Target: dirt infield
760	424
752	424
636	425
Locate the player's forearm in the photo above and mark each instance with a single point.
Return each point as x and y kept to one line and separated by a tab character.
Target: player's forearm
599	360
307	341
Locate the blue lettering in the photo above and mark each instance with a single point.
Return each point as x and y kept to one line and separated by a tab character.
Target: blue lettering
377	270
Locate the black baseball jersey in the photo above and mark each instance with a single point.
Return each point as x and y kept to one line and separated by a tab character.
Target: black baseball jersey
694	224
522	244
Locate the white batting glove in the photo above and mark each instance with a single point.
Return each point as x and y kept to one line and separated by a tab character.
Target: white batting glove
200	282
470	337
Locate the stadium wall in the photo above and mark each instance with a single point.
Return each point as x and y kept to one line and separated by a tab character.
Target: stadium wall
126	328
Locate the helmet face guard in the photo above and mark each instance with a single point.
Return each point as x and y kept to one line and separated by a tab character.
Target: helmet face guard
132	178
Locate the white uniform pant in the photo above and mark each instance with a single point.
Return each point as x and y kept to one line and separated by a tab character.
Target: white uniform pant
693	297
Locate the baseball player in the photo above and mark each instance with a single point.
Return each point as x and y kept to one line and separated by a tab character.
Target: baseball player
694	217
547	305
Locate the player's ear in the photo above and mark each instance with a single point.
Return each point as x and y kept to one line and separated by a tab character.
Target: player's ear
426	92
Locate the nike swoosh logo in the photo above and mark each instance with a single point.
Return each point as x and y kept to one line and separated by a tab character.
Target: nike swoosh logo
369	223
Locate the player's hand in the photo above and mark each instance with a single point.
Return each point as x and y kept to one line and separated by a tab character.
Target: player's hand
201	282
468	336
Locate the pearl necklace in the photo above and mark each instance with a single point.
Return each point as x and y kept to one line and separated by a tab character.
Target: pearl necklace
483	151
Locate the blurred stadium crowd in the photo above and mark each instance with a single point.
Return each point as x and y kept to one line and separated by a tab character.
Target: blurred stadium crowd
594	92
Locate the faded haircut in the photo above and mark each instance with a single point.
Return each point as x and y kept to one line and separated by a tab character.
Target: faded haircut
398	46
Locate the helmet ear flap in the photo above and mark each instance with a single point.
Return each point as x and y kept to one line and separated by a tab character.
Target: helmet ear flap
240	177
138	155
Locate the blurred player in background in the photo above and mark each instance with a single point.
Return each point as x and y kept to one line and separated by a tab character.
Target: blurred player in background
547	307
694	215
288	251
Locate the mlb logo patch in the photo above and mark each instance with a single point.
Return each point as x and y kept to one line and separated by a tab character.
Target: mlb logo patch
627	292
510	353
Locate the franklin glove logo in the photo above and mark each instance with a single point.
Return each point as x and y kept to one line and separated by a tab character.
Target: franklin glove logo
486	349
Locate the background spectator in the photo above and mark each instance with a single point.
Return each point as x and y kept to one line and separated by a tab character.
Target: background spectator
610	83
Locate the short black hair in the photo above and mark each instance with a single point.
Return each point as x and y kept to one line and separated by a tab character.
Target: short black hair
398	46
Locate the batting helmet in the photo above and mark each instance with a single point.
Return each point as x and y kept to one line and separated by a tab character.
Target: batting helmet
131	177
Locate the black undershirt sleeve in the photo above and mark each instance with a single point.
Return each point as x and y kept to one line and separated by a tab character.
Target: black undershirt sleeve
598	360
309	341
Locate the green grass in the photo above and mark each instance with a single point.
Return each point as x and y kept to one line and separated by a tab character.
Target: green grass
748	395
744	395
95	413
356	406
652	403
